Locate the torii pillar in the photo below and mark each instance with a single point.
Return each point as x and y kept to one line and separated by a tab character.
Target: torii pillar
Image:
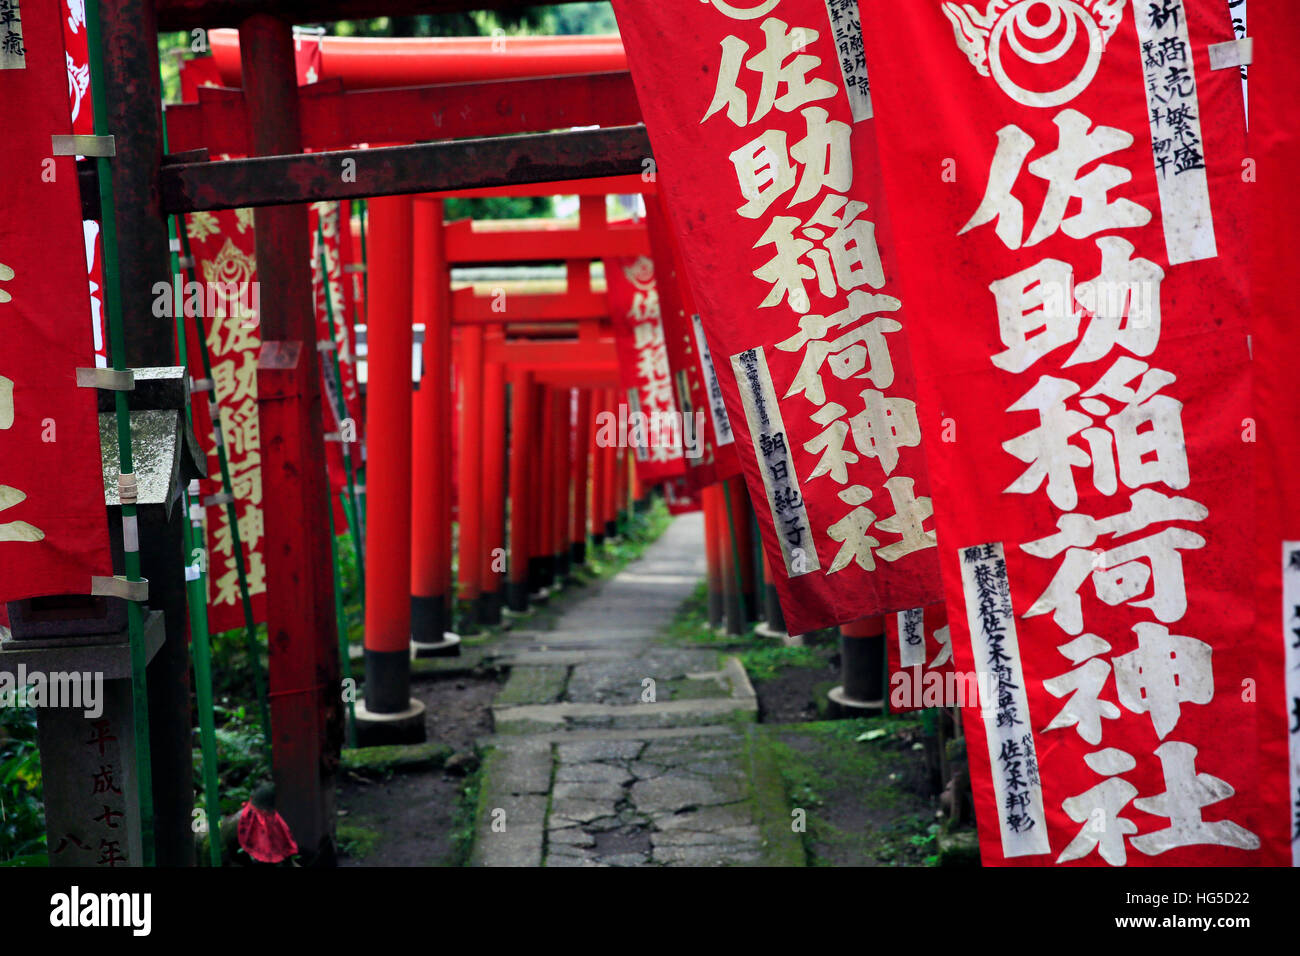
388	714
431	632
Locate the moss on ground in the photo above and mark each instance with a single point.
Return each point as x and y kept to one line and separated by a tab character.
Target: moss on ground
356	841
687	688
533	685
782	846
469	810
376	761
861	797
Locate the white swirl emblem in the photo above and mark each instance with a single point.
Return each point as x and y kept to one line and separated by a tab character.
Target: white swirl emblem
740	13
1011	28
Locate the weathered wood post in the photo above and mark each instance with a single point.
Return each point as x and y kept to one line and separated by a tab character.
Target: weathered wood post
306	702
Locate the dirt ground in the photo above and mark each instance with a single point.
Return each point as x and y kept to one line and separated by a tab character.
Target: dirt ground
408	819
791	696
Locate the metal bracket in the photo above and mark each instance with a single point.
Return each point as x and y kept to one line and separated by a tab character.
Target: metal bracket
63	144
118	586
221	498
201	385
326	345
109	379
354	267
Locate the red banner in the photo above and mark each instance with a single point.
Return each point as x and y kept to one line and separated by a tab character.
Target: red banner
223	249
1071	258
761	126
699	395
1273	151
648	421
921	674
83	122
341	405
680	497
54	531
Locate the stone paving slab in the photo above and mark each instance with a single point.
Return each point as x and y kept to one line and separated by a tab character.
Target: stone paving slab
674	713
622	781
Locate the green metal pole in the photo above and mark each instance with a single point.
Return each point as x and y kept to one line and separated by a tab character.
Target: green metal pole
117	343
200	646
202	653
251	644
345	658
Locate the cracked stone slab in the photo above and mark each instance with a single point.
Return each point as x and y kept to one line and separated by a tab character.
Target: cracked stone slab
564	859
673	713
594	750
740	837
621	681
591	773
588	790
568	737
672	793
705	856
570	836
533	685
707	819
581	811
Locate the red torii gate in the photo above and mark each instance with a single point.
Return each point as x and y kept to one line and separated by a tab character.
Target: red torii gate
275	116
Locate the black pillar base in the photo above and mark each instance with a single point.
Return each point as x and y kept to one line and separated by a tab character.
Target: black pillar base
388	681
467	616
561	566
862	667
715	608
536	575
578	554
429	619
611	529
734	613
598	539
775	617
489	607
517	596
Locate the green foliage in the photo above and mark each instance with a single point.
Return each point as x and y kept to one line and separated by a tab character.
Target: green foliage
22	810
464	824
636	533
356	841
242	761
763	663
498	207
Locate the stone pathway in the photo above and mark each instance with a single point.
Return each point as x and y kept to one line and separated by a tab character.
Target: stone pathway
612	749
